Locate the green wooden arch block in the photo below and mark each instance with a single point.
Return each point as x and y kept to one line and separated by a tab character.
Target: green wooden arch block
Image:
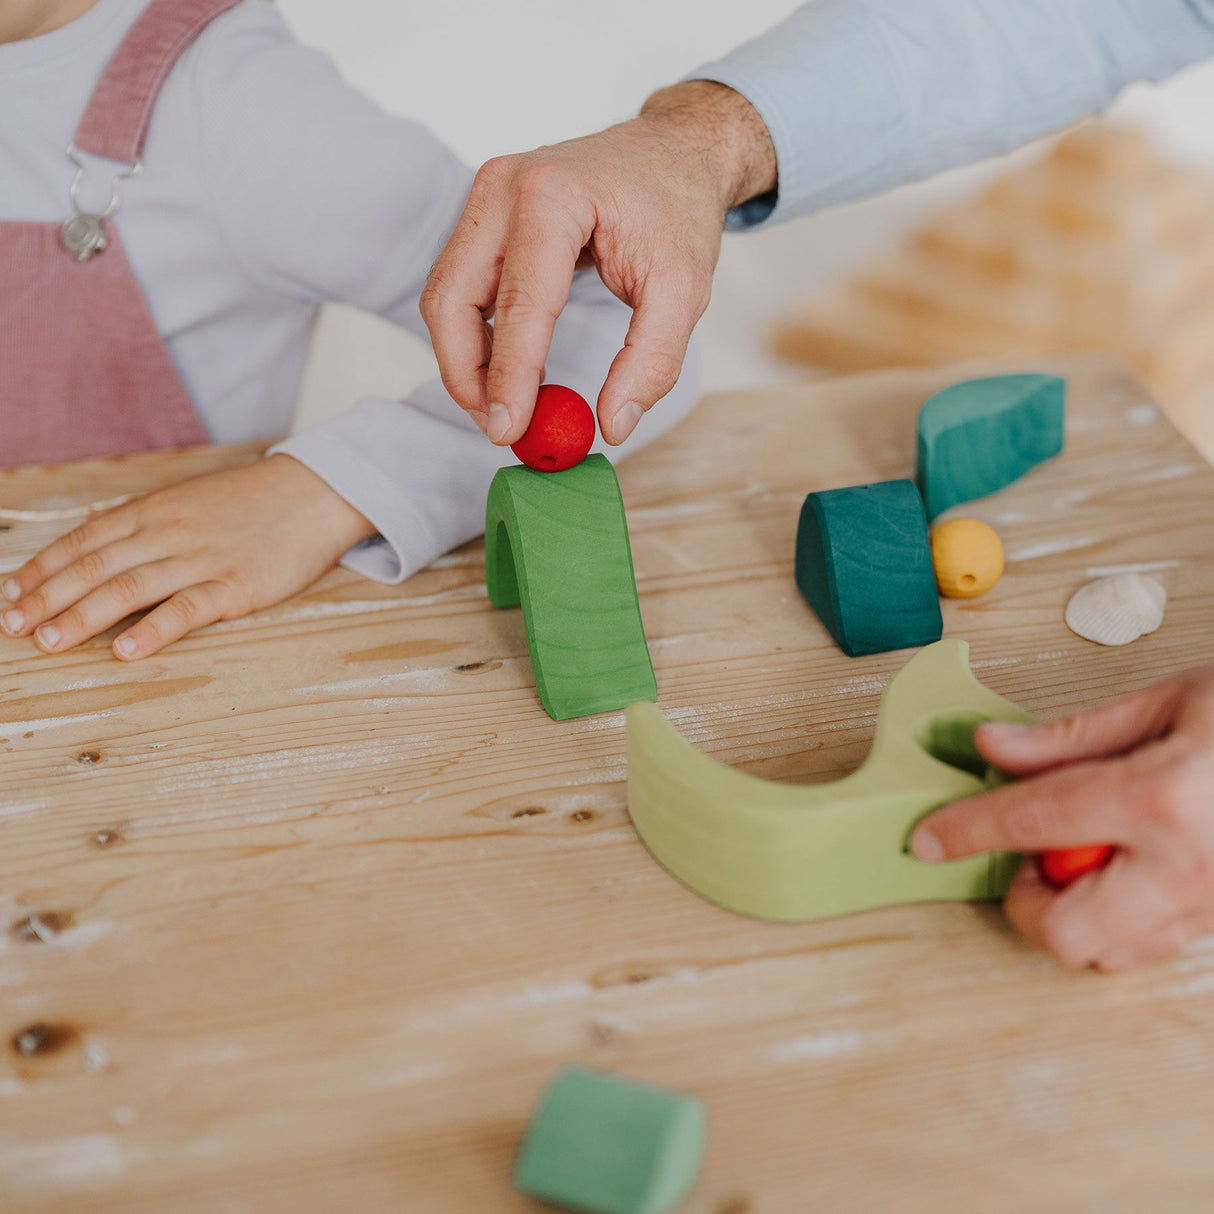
605	1144
980	435
864	564
557	542
799	852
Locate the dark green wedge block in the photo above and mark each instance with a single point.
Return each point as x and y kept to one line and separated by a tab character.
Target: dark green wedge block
864	564
981	435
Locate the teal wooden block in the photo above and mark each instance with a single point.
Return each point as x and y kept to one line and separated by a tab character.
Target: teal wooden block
796	852
603	1144
557	543
864	563
981	435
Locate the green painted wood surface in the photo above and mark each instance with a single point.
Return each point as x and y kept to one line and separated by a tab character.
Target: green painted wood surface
604	1144
982	434
557	543
799	852
864	564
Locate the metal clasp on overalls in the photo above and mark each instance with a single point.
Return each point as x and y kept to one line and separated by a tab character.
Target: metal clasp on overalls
82	235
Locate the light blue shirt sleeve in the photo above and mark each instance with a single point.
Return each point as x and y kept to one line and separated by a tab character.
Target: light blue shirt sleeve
863	95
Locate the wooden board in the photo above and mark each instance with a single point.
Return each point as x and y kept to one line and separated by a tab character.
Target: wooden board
326	896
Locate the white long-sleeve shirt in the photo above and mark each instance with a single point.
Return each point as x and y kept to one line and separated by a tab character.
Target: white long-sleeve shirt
269	187
862	95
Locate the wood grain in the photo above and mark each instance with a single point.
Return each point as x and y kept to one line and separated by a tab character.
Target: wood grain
322	896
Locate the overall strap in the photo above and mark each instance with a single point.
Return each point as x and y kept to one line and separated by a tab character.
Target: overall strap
116	119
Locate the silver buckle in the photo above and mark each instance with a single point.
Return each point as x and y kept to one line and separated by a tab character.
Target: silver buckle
82	234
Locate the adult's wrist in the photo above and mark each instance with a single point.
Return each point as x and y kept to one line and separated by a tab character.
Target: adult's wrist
718	124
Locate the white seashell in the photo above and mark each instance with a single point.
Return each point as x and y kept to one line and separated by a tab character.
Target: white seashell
1117	610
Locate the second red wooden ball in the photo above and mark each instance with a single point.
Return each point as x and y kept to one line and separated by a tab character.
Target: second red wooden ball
1066	864
561	431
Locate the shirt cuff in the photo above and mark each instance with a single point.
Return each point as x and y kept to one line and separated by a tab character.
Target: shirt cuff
419	478
745	76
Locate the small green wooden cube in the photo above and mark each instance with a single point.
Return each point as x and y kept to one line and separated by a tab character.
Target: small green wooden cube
603	1144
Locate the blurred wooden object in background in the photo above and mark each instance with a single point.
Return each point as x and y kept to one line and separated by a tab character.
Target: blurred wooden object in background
1099	246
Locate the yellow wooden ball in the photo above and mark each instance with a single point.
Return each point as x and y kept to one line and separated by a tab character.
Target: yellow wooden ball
968	558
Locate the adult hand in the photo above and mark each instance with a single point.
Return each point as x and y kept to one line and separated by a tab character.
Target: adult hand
644	202
212	548
1138	774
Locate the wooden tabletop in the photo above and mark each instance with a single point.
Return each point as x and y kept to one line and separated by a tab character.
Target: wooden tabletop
309	906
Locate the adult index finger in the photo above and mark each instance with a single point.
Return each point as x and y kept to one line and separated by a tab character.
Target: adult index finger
1083	804
541	255
459	294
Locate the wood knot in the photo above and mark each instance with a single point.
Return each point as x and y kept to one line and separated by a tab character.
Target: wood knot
37	1040
735	1205
528	811
106	837
88	758
583	815
41	926
601	1034
473	667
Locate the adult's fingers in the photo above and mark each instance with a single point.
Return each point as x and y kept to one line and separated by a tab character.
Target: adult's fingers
1059	923
1122	910
541	254
461	290
100	530
194	607
1076	805
1112	730
1029	900
665	313
1160	943
130	591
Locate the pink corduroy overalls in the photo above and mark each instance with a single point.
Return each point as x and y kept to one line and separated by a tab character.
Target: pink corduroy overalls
83	369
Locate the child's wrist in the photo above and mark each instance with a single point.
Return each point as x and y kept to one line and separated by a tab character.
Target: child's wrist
332	516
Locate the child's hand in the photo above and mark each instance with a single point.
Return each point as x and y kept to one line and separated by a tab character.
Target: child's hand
1138	774
212	548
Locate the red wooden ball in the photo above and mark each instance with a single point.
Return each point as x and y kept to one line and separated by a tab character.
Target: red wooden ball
561	431
1067	864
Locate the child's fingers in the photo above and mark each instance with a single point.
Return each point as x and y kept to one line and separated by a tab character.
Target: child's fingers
130	591
194	607
120	564
108	528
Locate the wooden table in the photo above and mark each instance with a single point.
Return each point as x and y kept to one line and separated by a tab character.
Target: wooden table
322	897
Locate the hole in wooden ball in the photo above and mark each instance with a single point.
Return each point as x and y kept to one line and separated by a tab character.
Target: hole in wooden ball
549	461
968	580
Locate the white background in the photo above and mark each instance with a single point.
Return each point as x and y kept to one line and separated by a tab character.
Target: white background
512	74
